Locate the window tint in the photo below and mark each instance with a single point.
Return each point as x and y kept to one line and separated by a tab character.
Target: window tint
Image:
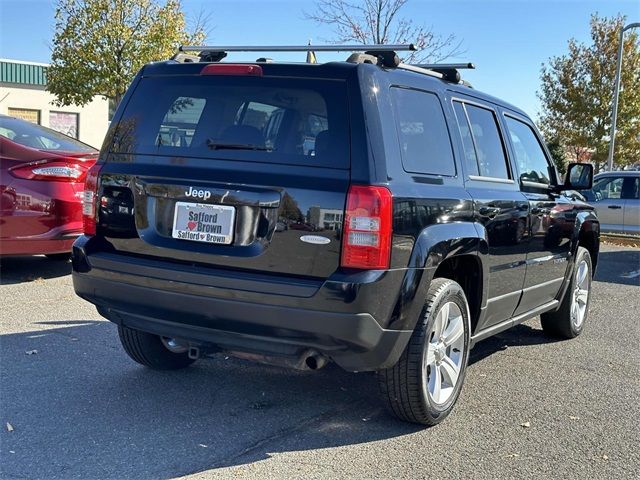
422	131
470	160
632	191
488	144
531	159
301	121
630	188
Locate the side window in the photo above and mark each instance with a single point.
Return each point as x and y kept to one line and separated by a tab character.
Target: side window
422	131
630	188
470	159
490	155
532	162
608	187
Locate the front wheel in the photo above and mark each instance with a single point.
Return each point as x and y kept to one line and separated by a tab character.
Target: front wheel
568	321
426	382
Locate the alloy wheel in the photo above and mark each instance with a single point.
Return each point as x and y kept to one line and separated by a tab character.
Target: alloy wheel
580	296
444	354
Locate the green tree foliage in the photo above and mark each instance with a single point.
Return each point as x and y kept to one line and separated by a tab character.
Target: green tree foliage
558	156
577	93
99	45
290	209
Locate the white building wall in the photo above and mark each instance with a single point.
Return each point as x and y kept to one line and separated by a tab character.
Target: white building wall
92	118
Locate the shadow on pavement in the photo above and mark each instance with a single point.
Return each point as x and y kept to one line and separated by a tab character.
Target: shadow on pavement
519	336
28	269
622	266
80	408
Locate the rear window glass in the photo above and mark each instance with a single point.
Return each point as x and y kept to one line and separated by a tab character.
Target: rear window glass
300	122
425	145
39	137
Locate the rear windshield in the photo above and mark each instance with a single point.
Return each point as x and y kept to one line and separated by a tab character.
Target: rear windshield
260	119
38	137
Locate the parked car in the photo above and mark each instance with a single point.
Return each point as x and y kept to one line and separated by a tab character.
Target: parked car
616	197
42	180
307	227
454	225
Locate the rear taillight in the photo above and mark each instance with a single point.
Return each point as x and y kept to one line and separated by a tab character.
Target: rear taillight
56	170
89	213
232	69
366	239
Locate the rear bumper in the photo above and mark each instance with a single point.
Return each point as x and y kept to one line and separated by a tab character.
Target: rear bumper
50	243
47	220
343	320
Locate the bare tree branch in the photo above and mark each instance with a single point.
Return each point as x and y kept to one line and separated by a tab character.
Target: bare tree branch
379	22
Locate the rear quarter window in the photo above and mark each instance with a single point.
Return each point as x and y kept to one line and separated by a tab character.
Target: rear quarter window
277	120
425	145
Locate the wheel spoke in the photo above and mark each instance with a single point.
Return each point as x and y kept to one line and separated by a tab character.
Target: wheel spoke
454	331
582	296
431	355
441	321
435	383
582	273
450	370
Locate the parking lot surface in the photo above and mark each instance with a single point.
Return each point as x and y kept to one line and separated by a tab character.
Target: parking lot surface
78	407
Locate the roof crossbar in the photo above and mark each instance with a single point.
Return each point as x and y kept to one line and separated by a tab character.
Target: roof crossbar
299	48
417	69
446	66
448	71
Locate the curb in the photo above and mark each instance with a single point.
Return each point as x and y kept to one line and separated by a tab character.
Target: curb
621	239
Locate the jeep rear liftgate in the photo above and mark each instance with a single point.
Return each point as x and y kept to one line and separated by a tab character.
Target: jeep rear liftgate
246	172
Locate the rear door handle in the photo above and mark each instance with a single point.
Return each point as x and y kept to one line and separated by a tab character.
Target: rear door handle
614	207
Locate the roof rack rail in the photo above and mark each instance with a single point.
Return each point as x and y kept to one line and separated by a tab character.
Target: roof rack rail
449	71
298	48
385	54
440	66
417	69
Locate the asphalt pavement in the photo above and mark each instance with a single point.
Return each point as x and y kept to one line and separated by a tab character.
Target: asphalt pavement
73	405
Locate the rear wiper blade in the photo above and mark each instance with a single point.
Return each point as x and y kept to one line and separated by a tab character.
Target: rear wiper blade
235	146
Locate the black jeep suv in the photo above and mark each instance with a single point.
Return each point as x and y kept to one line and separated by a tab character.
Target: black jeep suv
378	215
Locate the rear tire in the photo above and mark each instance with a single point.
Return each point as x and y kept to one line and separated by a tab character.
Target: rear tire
568	321
59	257
149	350
426	382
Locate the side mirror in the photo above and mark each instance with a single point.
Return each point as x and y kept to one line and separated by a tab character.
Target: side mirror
579	176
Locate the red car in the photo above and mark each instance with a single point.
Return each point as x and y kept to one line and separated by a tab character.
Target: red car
42	175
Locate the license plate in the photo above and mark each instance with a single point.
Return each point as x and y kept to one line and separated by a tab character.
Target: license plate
201	222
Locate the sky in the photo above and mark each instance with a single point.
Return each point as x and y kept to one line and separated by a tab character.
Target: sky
508	40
